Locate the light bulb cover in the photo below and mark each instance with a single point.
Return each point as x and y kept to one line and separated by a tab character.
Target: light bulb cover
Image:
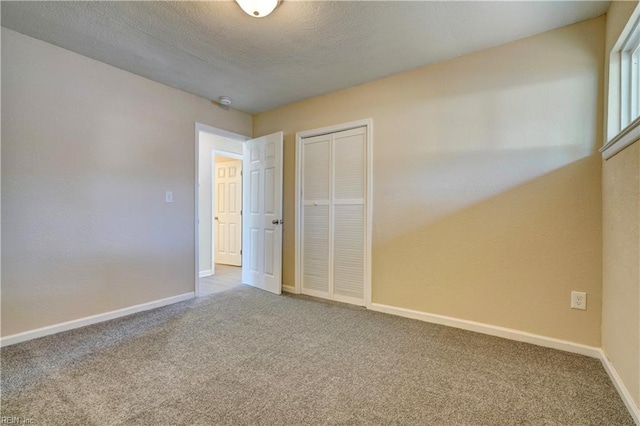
258	8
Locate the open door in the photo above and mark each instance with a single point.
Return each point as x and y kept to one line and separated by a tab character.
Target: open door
262	213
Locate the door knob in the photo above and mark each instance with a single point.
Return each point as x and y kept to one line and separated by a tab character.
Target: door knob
215	218
275	221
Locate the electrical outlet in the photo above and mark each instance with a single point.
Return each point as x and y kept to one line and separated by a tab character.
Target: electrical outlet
578	300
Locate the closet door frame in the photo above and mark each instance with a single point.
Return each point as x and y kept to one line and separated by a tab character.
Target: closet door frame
299	235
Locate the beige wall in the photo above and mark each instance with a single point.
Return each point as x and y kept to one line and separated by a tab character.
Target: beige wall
487	201
88	151
621	243
208	144
621	287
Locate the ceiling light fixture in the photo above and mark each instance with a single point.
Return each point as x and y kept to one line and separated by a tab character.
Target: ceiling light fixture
258	8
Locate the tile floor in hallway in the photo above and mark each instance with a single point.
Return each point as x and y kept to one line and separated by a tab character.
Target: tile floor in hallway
226	277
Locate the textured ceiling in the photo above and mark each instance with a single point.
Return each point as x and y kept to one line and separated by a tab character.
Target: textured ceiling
303	49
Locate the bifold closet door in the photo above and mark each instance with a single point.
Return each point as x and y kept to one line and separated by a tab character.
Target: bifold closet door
316	231
334	215
348	202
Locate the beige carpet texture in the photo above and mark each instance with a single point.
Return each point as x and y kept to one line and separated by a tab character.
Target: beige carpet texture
247	357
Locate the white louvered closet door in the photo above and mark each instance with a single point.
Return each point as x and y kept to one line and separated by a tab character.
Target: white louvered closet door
334	216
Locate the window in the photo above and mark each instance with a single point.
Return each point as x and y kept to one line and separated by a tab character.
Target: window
629	78
623	116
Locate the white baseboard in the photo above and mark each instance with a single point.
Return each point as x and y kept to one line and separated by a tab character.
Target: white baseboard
624	393
522	336
492	330
289	289
93	319
206	273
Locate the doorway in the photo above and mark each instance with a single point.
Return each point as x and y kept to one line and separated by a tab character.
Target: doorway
215	148
238	227
226	184
226	227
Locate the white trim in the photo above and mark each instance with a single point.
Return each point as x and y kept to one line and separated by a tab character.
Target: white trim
624	393
369	203
229	154
196	201
334	129
205	273
93	319
297	227
224	133
492	330
332	215
625	138
289	289
368	124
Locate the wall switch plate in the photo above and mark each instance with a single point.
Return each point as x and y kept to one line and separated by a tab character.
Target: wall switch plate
168	197
578	300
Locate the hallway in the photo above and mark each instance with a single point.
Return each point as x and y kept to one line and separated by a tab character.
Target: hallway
225	278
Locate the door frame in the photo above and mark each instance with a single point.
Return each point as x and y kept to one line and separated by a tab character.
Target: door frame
368	124
235	156
199	127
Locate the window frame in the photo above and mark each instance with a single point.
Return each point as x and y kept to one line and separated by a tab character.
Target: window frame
629	75
623	115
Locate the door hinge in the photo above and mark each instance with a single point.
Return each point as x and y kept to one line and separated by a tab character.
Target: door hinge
241	252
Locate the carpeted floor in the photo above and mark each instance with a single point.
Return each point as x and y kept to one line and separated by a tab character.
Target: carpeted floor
246	357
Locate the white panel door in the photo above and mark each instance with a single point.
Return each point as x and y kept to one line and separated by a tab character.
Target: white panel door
227	213
262	214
